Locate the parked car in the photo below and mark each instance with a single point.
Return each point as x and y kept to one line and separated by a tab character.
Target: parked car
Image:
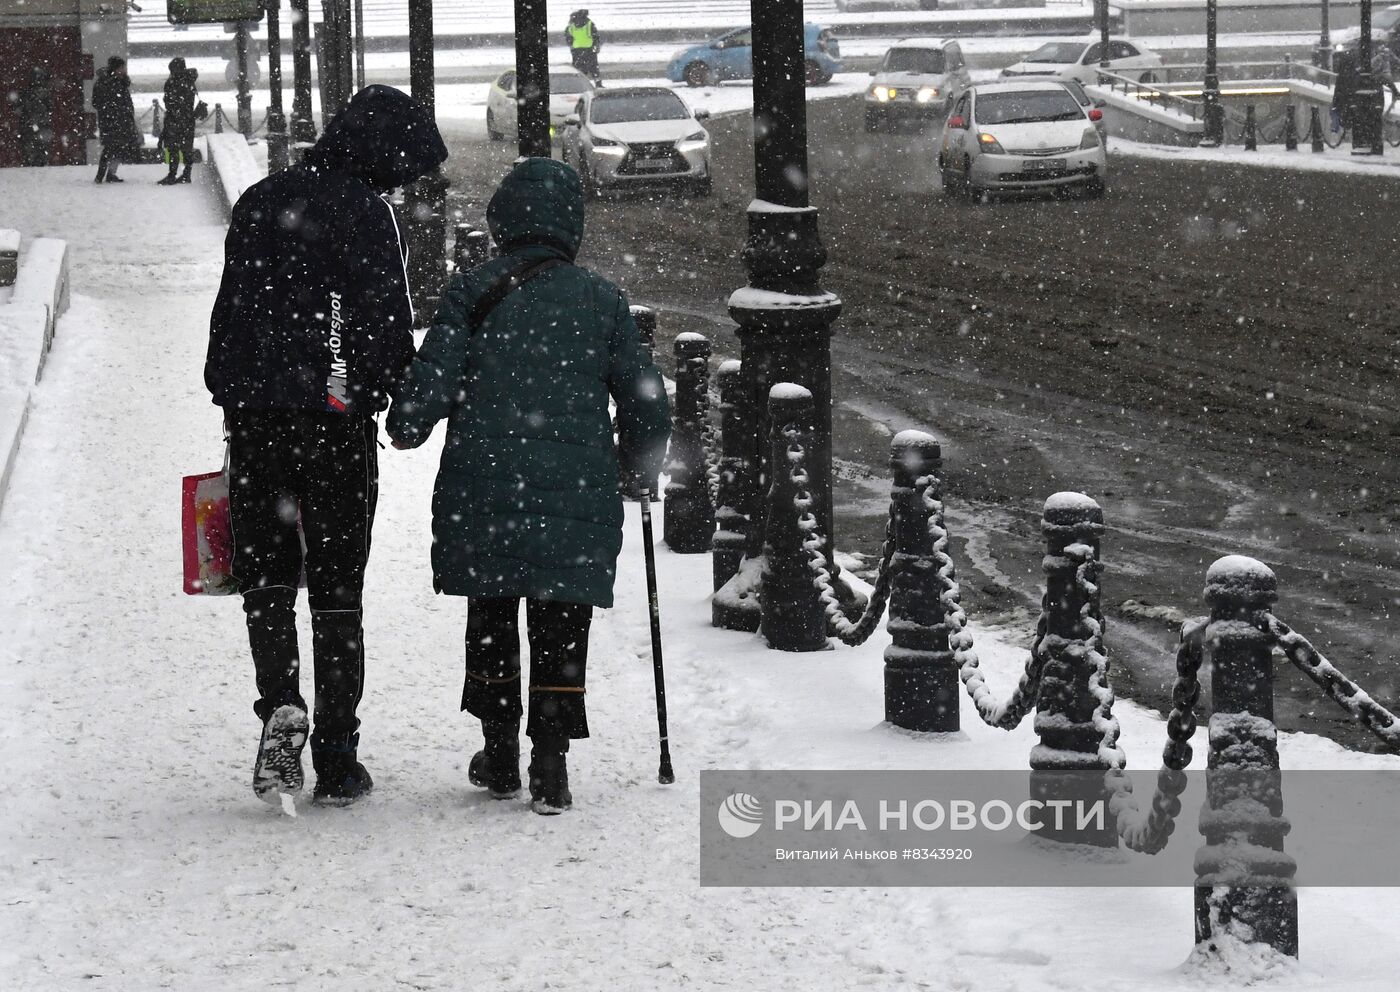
1385	30
730	56
637	137
1021	135
918	79
1080	60
565	87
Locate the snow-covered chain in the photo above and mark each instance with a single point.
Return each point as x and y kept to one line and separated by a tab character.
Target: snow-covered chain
1342	690
1006	715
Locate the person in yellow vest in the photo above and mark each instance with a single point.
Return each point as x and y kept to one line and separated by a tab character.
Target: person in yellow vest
581	35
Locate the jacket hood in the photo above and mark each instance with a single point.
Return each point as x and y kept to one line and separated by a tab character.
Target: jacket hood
539	202
383	137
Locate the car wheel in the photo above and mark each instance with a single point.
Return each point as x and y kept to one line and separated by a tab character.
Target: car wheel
493	132
704	187
816	76
970	190
1094	189
698	74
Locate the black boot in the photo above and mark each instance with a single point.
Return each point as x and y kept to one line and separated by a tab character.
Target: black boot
169	179
340	778
185	176
497	766
549	776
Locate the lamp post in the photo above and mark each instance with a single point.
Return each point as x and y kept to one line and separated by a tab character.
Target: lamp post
1322	56
303	126
785	318
1367	103
532	78
1213	112
276	120
245	93
1103	35
425	202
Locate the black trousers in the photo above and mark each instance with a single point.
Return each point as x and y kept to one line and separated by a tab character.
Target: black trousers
321	468
107	164
558	656
585	60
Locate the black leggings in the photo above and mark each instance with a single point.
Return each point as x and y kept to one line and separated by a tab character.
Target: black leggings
558	656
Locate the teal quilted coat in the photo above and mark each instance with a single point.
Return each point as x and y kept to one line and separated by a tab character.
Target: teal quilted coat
526	502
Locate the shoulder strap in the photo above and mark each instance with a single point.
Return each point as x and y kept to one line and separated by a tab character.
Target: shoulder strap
506	284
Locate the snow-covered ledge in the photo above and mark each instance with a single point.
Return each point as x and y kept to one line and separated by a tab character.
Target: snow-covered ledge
27	322
749	298
234	164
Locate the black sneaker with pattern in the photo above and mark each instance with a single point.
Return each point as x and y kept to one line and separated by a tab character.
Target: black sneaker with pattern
278	770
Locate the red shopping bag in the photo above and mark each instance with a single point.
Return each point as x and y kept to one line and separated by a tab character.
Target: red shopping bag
208	535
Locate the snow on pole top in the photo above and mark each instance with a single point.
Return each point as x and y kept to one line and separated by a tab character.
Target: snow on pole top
1239	568
9	241
749	298
789	392
913	439
690	337
768	207
1067	502
730	366
1235	581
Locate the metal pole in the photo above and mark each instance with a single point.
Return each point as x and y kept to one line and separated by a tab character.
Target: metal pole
1323	57
245	95
789	341
303	126
276	119
1103	35
532	77
359	44
1368	103
1214	113
664	774
425	202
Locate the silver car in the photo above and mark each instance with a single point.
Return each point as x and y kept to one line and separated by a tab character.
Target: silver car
637	137
1018	136
918	79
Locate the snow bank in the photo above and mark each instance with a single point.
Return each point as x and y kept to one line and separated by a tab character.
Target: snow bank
234	164
27	322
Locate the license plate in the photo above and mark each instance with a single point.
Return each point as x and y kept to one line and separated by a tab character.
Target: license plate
1043	164
653	163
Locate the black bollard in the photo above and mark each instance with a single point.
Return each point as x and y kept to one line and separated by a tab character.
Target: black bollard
731	523
1251	898
1251	131
1068	718
218	118
1290	129
470	247
645	318
793	617
1315	130
689	517
921	678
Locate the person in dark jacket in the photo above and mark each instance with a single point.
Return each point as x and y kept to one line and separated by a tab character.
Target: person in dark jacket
36	118
310	330
526	504
116	119
177	136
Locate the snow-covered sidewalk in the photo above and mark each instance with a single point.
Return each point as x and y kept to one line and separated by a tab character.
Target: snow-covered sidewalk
138	858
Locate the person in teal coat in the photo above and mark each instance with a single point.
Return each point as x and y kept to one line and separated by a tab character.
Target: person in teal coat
526	504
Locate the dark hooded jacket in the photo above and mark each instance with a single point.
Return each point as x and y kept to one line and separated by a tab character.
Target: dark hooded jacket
116	115
526	502
313	312
180	96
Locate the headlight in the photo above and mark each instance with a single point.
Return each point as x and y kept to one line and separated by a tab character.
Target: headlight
881	93
1090	139
605	143
989	144
927	93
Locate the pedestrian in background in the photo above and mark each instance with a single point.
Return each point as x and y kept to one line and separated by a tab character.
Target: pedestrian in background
581	35
36	118
177	138
1383	68
310	330
116	120
521	361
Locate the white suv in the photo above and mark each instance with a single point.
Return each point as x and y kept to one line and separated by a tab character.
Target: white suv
918	79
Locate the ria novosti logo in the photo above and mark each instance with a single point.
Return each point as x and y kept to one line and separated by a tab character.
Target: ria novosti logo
741	815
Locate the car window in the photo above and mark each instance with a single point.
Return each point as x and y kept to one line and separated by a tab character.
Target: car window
1121	50
568	83
1076	90
652	105
924	60
739	39
1063	52
962	106
1027	107
1093	54
507	81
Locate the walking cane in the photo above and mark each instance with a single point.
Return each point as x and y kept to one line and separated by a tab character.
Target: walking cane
665	776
